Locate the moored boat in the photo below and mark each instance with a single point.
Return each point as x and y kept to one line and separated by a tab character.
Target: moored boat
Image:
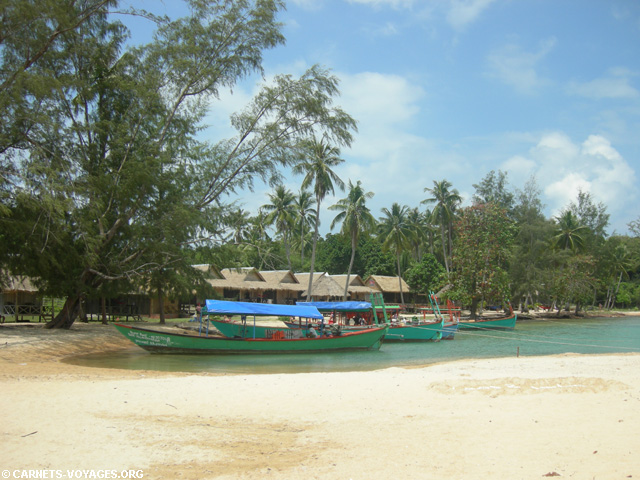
166	342
503	323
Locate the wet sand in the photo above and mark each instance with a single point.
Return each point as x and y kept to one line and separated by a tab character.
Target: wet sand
571	416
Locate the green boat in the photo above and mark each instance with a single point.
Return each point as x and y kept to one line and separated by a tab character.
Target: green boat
415	331
233	329
418	332
164	342
505	323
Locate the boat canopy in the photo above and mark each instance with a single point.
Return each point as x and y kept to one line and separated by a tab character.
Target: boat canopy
224	307
351	306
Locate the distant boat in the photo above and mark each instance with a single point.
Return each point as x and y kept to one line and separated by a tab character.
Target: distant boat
449	330
414	331
164	342
503	323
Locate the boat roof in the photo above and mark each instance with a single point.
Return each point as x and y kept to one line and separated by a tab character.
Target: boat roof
350	306
225	307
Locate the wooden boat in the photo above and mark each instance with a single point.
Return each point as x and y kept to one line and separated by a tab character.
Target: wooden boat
503	323
415	331
233	329
165	342
449	330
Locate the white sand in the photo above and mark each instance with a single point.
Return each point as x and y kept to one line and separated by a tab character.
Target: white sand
515	418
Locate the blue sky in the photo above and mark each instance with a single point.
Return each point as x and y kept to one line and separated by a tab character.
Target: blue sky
452	89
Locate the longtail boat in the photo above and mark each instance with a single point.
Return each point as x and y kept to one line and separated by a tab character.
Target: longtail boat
503	323
164	342
415	331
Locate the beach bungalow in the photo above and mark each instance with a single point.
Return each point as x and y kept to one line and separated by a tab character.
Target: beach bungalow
357	290
324	287
389	287
20	298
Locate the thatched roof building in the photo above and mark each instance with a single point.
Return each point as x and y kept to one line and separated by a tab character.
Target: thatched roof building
324	287
388	286
357	289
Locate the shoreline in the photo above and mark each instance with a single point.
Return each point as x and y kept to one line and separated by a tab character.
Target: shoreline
566	415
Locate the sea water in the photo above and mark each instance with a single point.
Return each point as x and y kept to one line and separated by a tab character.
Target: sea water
529	338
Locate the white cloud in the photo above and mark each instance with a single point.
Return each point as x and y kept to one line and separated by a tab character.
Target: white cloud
517	68
615	85
463	12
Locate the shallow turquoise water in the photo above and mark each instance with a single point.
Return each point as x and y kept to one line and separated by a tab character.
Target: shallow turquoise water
530	338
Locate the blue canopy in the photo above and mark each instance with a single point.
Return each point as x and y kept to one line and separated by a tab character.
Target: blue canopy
223	307
351	306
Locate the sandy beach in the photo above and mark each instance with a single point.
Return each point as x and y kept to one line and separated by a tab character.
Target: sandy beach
570	416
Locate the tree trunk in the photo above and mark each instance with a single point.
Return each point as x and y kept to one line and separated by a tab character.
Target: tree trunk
313	250
161	306
399	278
68	314
353	255
444	249
103	310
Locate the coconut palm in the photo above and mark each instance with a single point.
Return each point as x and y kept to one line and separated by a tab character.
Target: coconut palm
356	218
282	213
446	203
395	233
318	159
306	216
569	232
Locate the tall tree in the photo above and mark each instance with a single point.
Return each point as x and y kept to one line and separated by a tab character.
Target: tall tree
395	232
113	153
306	216
493	189
356	218
318	158
569	232
484	236
445	203
282	214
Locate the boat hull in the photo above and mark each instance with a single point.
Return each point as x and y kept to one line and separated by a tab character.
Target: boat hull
415	333
508	323
425	332
163	342
449	331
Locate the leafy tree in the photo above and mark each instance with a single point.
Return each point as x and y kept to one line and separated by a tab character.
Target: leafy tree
395	232
445	202
113	183
375	260
356	218
493	189
484	234
317	160
426	276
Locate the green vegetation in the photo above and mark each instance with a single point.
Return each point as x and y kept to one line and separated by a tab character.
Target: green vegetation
107	188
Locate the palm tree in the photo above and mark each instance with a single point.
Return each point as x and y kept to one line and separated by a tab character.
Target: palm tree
569	233
319	157
395	233
239	221
356	218
446	202
306	216
283	214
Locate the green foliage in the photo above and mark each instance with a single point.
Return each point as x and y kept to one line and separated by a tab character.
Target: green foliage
425	276
484	235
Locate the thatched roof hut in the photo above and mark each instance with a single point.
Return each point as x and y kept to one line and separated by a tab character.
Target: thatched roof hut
357	288
324	287
388	286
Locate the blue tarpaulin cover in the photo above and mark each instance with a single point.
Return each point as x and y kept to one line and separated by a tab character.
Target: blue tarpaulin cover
224	307
351	306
